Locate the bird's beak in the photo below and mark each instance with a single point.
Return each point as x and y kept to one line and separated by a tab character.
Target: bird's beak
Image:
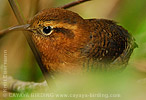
15	28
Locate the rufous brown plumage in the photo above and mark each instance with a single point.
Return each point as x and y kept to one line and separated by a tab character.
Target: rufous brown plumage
68	43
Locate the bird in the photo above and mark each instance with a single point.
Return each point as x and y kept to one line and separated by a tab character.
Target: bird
68	43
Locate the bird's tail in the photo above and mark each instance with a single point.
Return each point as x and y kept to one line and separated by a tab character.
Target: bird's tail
125	56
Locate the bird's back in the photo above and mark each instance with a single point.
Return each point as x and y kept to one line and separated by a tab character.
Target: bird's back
109	45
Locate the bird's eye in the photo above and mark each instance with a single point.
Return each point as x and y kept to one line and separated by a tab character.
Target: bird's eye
47	30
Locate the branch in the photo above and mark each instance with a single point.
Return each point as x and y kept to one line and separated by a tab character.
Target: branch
4	32
10	29
14	85
73	4
36	53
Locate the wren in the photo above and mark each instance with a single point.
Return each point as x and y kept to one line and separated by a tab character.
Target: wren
69	43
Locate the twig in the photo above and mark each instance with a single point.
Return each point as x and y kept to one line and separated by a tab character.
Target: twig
4	32
73	4
10	29
14	85
16	11
29	40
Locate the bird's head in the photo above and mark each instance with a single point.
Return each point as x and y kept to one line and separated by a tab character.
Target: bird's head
58	27
59	34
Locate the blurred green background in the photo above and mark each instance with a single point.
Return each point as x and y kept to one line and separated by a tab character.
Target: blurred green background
131	14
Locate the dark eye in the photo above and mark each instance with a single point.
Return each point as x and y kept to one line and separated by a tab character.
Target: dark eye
47	30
